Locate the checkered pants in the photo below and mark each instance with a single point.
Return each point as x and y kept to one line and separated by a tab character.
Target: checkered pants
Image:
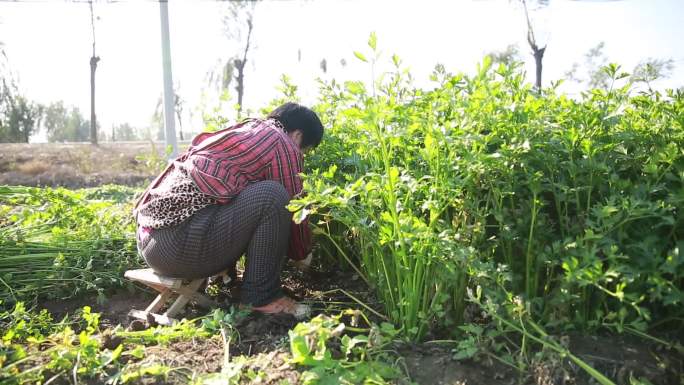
214	238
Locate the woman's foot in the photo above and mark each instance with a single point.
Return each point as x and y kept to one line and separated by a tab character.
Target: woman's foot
285	305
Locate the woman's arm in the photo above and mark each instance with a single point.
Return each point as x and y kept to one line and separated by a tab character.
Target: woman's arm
285	168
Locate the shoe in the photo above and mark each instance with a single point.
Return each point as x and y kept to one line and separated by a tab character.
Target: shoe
285	305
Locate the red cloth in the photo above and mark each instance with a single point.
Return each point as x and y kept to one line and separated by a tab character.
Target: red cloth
223	163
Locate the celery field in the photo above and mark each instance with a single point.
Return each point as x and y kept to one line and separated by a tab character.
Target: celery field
474	222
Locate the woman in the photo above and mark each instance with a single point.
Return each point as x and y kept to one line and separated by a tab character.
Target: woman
226	195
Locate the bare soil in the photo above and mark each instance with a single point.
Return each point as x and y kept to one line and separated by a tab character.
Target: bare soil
264	339
78	165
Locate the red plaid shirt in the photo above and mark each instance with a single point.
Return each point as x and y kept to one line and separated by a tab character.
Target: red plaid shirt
223	163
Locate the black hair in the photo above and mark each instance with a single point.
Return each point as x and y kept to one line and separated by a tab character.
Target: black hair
294	116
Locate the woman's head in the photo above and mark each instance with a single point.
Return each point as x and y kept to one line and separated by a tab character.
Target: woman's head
296	117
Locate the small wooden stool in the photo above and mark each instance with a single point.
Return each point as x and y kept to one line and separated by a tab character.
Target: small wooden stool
167	287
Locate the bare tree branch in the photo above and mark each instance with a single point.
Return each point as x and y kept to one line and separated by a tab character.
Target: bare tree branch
537	52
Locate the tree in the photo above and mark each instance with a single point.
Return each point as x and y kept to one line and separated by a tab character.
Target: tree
3	61
20	118
594	61
238	26
157	121
4	64
25	118
55	120
510	55
93	66
65	124
7	90
537	52
594	76
240	66
652	69
124	132
6	95
178	107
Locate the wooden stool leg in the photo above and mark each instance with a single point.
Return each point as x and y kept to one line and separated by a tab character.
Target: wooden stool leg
159	301
160	319
167	287
196	296
183	299
203	300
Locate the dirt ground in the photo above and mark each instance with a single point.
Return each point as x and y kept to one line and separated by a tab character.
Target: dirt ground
78	164
264	338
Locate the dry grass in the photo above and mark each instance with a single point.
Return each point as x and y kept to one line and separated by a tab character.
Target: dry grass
78	164
33	167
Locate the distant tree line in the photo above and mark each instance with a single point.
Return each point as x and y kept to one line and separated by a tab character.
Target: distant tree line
590	73
22	118
65	124
644	73
19	117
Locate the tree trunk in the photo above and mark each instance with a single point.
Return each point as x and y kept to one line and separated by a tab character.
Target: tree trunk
177	106
240	65
180	125
538	56
240	87
93	121
537	52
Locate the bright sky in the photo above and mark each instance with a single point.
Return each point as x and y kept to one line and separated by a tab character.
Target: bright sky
48	44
